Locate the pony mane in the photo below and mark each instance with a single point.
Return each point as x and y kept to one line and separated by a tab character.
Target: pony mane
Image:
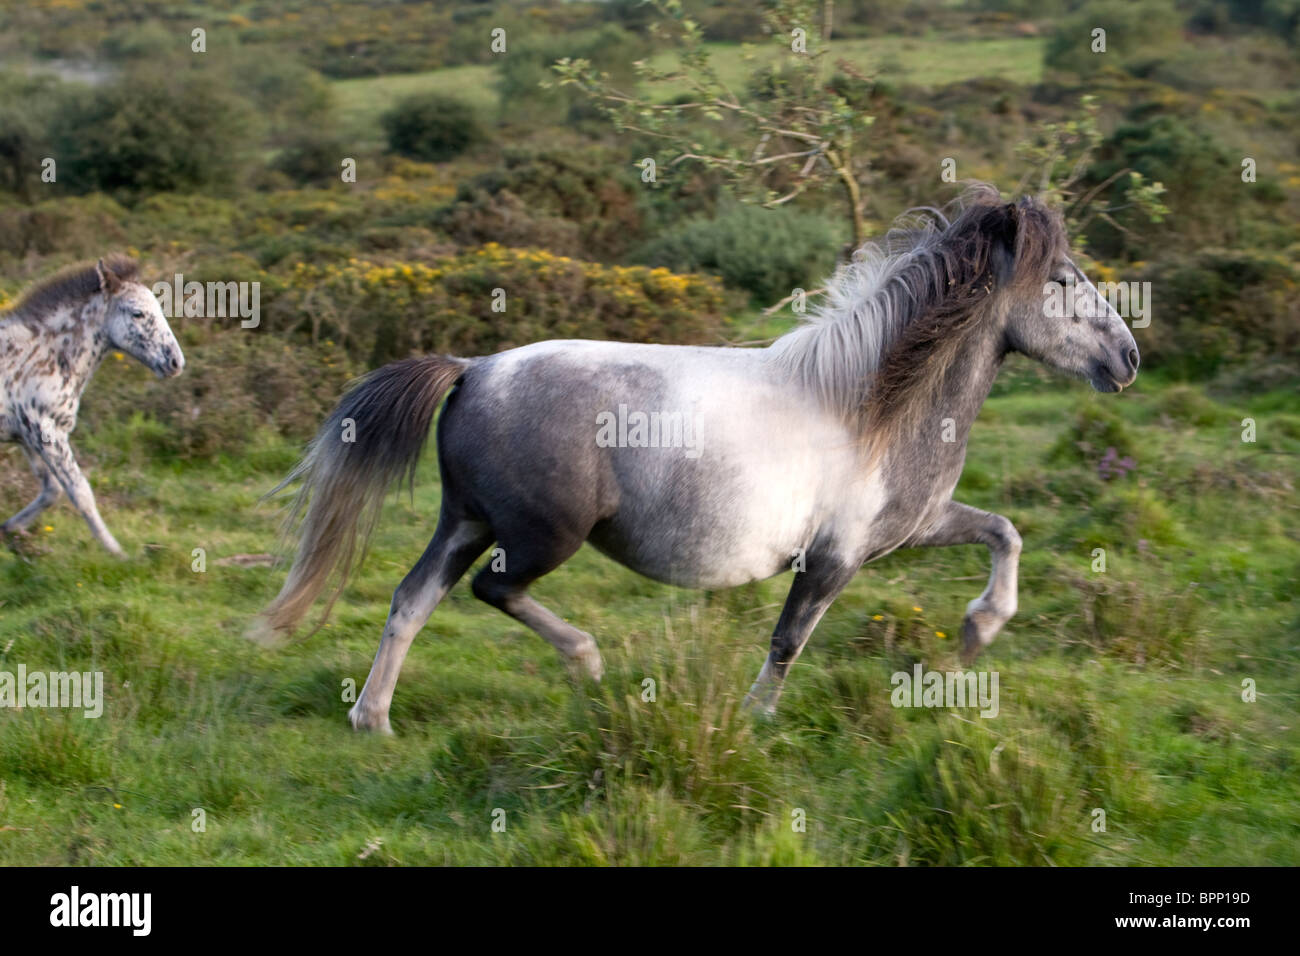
70	284
893	318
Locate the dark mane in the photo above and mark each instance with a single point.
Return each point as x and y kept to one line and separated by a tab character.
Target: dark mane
953	283
70	284
894	319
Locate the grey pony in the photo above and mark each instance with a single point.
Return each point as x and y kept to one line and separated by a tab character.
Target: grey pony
709	467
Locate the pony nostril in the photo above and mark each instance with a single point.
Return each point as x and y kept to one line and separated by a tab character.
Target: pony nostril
1133	359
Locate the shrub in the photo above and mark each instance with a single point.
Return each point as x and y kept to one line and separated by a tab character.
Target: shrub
291	97
235	385
1094	429
312	155
431	126
570	204
154	131
383	312
766	252
522	73
1222	307
25	107
1207	208
20	150
74	227
1135	32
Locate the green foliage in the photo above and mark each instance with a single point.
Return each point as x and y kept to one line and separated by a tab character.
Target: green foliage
290	98
313	155
493	298
155	130
779	132
25	104
431	127
524	77
576	204
1278	17
765	252
1094	428
1136	31
72	227
239	386
1221	308
1200	176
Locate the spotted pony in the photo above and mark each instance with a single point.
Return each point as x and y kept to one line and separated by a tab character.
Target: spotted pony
51	342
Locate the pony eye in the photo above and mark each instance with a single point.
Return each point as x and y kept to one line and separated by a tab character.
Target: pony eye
137	314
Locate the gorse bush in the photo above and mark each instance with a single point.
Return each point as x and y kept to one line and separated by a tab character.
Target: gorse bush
384	312
765	252
571	204
431	126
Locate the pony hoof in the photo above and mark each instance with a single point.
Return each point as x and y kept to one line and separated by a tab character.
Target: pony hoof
262	633
759	704
370	723
589	665
976	635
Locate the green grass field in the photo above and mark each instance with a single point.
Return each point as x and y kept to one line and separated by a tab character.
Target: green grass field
361	102
917	61
920	61
1120	691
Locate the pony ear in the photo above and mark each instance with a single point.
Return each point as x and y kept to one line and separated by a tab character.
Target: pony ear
109	281
1004	226
1010	224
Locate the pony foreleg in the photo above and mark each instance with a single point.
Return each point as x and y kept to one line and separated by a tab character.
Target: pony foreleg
453	549
49	494
962	524
811	594
58	457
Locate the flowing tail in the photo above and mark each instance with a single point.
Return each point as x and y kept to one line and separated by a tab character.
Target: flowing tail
371	440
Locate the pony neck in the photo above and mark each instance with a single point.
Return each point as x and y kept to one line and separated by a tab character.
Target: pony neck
86	338
943	417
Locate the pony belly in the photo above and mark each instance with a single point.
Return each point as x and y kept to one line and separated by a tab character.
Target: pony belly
691	562
712	534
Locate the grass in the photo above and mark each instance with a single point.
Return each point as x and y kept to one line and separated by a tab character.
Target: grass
1119	691
914	61
359	103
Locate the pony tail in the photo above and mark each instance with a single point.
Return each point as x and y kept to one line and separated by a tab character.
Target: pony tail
371	440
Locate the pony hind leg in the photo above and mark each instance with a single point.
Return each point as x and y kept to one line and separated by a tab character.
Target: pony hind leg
48	494
505	588
456	544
